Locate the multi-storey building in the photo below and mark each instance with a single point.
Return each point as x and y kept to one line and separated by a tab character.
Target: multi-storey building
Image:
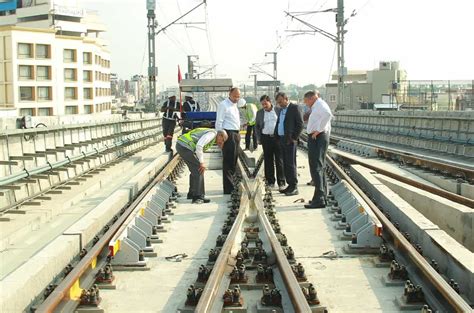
52	61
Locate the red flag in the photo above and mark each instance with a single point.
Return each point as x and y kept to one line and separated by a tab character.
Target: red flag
180	78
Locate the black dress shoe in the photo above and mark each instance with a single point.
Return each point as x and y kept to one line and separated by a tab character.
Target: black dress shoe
293	192
315	205
310	183
189	196
205	200
284	190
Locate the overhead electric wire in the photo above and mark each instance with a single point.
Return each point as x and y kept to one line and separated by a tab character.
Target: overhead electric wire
209	39
186	29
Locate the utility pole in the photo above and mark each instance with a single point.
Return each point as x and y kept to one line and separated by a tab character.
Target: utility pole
274	69
254	85
338	39
341	70
152	71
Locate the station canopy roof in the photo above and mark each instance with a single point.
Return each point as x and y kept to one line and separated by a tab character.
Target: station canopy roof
205	85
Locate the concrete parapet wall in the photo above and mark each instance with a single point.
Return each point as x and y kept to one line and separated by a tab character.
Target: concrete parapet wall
77	146
10	123
455	219
449	132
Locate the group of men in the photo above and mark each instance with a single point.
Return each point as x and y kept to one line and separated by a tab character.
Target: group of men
277	129
172	114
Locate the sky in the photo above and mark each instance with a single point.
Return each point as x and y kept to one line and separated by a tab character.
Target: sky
432	39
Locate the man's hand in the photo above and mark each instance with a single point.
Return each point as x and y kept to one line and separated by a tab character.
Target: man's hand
314	134
202	168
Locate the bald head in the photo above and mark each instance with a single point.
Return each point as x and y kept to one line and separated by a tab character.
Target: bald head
234	94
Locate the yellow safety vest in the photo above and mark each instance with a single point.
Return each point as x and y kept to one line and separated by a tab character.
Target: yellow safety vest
191	138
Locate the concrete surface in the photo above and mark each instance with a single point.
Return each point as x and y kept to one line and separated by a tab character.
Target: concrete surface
348	283
193	230
29	263
456	219
455	260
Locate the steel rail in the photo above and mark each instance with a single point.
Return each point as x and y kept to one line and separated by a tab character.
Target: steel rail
300	304
60	293
435	190
223	263
454	299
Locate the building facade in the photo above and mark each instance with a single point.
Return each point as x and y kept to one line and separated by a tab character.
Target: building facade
52	61
380	85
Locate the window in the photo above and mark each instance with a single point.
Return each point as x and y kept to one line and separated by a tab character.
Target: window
87	57
25	50
25	72
70	74
27	93
43	72
27	111
43	51
332	98
88	94
44	93
69	55
87	76
69	109
45	111
70	93
88	109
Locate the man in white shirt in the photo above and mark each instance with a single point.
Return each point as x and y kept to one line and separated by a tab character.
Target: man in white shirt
228	119
191	147
265	123
318	129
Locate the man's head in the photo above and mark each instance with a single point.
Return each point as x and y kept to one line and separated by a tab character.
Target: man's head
221	138
266	103
282	99
310	97
188	96
234	95
172	98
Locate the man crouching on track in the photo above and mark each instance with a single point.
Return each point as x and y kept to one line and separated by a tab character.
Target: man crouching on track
191	147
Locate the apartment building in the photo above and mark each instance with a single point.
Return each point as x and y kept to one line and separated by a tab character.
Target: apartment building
51	70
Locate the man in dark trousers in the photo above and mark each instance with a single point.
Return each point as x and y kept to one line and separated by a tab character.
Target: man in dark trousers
265	130
191	147
228	119
170	111
288	129
318	129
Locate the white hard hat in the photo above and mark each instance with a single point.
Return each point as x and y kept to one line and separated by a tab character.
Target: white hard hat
241	103
188	94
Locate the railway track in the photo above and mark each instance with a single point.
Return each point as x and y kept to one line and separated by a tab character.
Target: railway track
253	267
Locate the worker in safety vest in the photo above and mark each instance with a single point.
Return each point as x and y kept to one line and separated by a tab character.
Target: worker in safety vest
250	113
191	147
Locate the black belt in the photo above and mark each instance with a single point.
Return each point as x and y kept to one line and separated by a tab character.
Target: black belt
271	136
231	131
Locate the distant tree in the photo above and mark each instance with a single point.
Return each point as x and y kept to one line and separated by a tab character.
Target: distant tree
309	87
